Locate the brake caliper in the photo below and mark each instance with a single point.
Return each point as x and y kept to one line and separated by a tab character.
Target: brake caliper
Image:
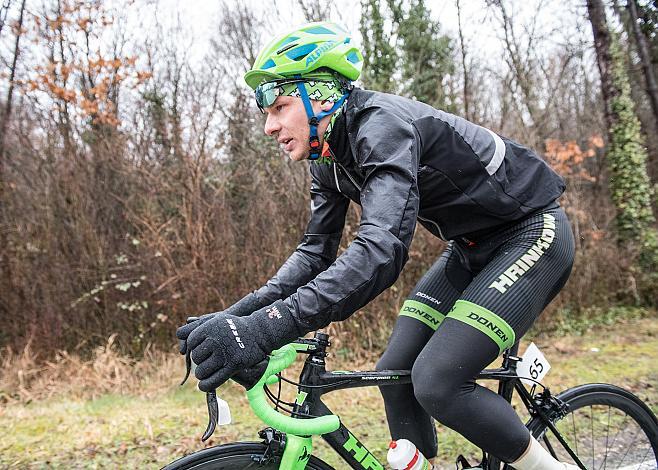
275	441
552	407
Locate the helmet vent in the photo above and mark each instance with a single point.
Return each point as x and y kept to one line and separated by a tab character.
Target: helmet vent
268	65
300	52
287	47
353	57
320	30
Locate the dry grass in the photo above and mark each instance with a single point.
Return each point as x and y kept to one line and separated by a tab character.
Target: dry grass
25	378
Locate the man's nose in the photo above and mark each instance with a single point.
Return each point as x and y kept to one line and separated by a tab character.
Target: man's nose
271	125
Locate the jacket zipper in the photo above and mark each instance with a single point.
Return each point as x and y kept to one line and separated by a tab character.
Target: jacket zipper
336	178
435	224
346	173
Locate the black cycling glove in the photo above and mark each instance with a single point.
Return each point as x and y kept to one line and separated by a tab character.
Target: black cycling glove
245	306
225	344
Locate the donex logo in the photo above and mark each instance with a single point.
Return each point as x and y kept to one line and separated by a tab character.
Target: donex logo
361	454
423	314
489	325
315	55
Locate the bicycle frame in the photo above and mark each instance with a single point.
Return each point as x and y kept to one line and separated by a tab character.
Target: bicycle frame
315	381
343	441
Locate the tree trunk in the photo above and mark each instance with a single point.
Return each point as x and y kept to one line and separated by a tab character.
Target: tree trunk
596	11
466	89
647	66
10	93
626	155
5	266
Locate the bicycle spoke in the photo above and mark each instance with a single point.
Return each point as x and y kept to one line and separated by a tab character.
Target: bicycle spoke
575	434
615	438
607	435
620	429
629	446
591	422
644	457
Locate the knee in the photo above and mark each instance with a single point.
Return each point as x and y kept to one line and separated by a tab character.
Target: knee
427	384
433	390
393	361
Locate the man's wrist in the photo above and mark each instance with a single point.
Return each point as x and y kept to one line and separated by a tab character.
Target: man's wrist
245	306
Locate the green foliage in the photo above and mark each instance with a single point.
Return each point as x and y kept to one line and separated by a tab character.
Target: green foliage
630	186
379	56
415	47
426	54
568	321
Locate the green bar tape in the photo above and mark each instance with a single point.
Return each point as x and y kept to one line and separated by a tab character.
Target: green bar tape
282	358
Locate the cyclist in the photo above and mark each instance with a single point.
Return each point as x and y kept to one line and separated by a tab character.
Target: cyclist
510	247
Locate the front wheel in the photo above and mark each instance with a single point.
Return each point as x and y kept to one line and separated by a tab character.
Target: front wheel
607	427
237	456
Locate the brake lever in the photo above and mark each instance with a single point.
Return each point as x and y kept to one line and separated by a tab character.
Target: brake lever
188	366
213	414
188	359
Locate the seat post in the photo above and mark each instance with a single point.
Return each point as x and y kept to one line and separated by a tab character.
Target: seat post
506	387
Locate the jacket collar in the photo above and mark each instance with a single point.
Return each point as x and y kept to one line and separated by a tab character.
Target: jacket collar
338	140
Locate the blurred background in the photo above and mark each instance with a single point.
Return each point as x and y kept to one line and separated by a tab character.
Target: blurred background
137	186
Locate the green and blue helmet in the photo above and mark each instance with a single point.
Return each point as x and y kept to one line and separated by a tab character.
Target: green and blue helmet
314	61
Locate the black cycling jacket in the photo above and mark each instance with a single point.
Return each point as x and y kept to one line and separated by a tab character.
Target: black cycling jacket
402	161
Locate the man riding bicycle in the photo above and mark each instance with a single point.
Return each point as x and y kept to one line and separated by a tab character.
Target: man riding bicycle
510	246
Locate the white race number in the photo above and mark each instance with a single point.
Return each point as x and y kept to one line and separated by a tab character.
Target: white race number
532	366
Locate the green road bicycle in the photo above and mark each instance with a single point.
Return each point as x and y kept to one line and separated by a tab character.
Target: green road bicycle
594	426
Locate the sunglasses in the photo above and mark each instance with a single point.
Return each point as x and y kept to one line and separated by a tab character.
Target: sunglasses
267	93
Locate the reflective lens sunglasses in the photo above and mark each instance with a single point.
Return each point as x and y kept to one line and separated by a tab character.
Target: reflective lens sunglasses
267	93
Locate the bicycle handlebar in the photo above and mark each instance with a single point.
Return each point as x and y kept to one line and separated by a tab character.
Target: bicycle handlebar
281	359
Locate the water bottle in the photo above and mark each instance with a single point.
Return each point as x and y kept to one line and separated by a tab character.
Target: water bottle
403	455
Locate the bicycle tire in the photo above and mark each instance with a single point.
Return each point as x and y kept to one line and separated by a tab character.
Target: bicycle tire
236	456
626	429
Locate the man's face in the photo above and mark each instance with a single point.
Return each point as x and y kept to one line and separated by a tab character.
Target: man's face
287	123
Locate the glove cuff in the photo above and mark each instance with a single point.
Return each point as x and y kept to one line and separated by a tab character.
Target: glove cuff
245	306
276	324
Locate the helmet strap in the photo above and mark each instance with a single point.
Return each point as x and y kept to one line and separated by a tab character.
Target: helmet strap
314	119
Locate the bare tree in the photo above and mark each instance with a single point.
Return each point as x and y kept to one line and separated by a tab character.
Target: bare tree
519	63
240	31
462	45
602	44
5	265
315	10
6	113
647	66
